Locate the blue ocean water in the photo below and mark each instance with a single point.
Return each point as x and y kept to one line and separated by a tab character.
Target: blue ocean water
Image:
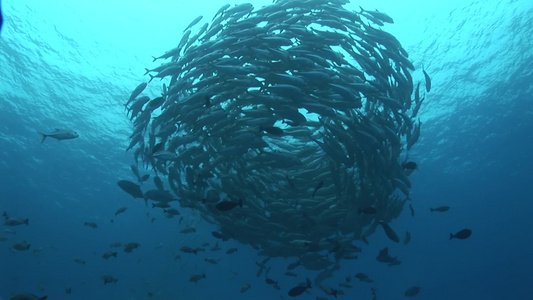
66	64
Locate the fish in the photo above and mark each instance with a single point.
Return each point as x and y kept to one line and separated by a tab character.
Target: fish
108	279
145	177
1	18
194	22
68	290
410	165
196	278
90	224
369	210
120	210
3	238
79	261
107	255
412	291
412	210
21	246
231	250
440	209
462	234
59	134
137	91
245	287
363	277
226	205
428	80
407	238
16	222
129	247
26	296
290	274
131	188
188	229
318	186
174	212
300	289
187	249
212	260
389	232
272	130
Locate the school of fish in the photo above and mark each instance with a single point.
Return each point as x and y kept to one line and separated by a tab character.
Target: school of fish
286	126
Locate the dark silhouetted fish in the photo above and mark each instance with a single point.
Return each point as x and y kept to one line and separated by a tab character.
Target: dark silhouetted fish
26	296
131	188
412	210
300	289
410	165
389	232
369	210
60	134
412	291
318	186
428	80
463	234
109	279
272	130
228	205
440	209
407	238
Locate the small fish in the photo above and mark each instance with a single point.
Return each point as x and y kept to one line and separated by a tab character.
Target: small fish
16	222
231	250
463	234
120	210
60	134
270	281
245	287
21	246
428	80
440	209
196	278
79	261
389	232
194	22
68	290
187	249
131	188
212	260
407	238
188	229
129	247
363	277
145	177
300	289
369	210
90	224
26	296
175	212
412	291
318	186
109	279
410	165
226	205
272	130
109	254
412	210
293	265
3	238
291	274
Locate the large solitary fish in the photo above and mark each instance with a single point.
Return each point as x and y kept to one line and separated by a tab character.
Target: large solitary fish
60	134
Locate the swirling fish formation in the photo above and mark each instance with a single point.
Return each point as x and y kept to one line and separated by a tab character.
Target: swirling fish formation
286	126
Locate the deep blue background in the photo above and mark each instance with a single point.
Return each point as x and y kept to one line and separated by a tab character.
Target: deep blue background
75	70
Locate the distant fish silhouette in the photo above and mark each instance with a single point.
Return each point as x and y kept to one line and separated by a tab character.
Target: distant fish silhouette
1	18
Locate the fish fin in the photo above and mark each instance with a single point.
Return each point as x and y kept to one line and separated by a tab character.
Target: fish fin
451	236
27	221
43	135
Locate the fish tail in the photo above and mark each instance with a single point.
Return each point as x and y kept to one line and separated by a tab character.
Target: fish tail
27	221
240	202
43	135
451	236
431	209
